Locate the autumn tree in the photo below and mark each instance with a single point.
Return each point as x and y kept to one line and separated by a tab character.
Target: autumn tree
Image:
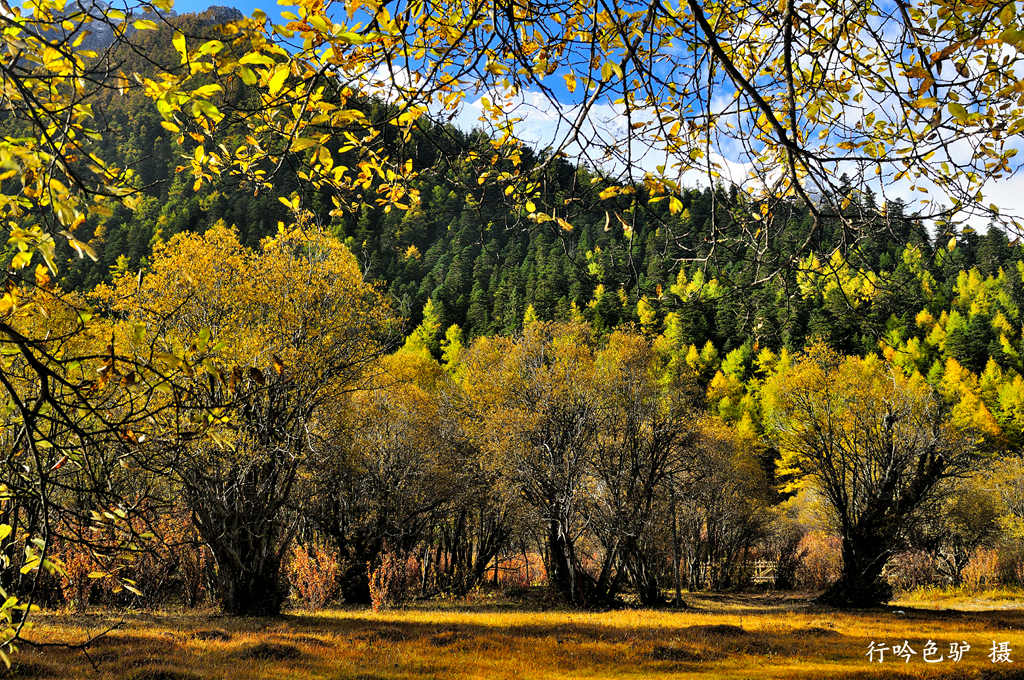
922	96
827	106
963	516
875	444
535	415
646	432
388	468
719	506
285	332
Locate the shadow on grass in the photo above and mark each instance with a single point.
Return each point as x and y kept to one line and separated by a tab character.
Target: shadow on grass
721	634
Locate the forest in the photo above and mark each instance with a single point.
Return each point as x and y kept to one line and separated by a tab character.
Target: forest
275	341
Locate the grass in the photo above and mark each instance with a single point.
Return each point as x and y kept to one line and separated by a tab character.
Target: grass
964	598
720	636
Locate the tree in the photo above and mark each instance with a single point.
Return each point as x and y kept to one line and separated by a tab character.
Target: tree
875	444
719	500
76	407
923	94
387	468
841	103
646	432
963	517
535	416
285	332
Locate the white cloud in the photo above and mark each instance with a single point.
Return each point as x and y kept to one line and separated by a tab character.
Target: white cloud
602	140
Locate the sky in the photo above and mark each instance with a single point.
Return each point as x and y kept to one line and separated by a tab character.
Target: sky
246	7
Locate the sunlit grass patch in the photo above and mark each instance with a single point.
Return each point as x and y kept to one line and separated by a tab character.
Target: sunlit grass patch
1001	597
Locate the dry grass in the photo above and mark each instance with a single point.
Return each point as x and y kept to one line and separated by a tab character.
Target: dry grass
722	636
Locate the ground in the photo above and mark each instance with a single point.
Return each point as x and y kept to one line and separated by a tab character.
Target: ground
719	636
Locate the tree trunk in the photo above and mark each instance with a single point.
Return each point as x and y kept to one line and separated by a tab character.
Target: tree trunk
560	574
251	592
676	557
861	583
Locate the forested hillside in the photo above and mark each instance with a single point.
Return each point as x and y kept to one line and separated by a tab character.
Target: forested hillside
485	268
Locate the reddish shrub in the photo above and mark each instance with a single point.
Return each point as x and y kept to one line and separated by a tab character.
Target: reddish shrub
313	572
822	562
982	570
389	580
76	564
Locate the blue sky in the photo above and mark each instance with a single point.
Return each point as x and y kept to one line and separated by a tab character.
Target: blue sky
245	6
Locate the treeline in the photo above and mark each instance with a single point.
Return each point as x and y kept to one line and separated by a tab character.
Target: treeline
483	267
479	257
282	423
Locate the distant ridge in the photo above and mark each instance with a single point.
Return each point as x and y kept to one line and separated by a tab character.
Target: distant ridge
100	35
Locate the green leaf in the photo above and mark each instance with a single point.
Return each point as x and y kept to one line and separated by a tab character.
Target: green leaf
1012	36
958	111
1007	14
353	38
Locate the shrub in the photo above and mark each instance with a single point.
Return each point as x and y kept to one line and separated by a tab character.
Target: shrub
790	557
910	570
822	560
1011	563
982	570
76	564
174	564
313	572
389	580
521	571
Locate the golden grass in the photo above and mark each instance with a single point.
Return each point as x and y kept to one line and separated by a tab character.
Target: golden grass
721	636
964	598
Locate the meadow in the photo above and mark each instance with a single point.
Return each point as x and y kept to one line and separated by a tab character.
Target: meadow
717	636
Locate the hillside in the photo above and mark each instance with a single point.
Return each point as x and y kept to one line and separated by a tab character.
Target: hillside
484	267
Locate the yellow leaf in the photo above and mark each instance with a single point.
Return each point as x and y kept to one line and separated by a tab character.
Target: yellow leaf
302	143
958	111
277	79
179	44
247	75
21	259
256	59
42	280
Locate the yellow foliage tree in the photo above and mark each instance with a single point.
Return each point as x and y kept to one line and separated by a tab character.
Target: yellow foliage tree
874	443
284	333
